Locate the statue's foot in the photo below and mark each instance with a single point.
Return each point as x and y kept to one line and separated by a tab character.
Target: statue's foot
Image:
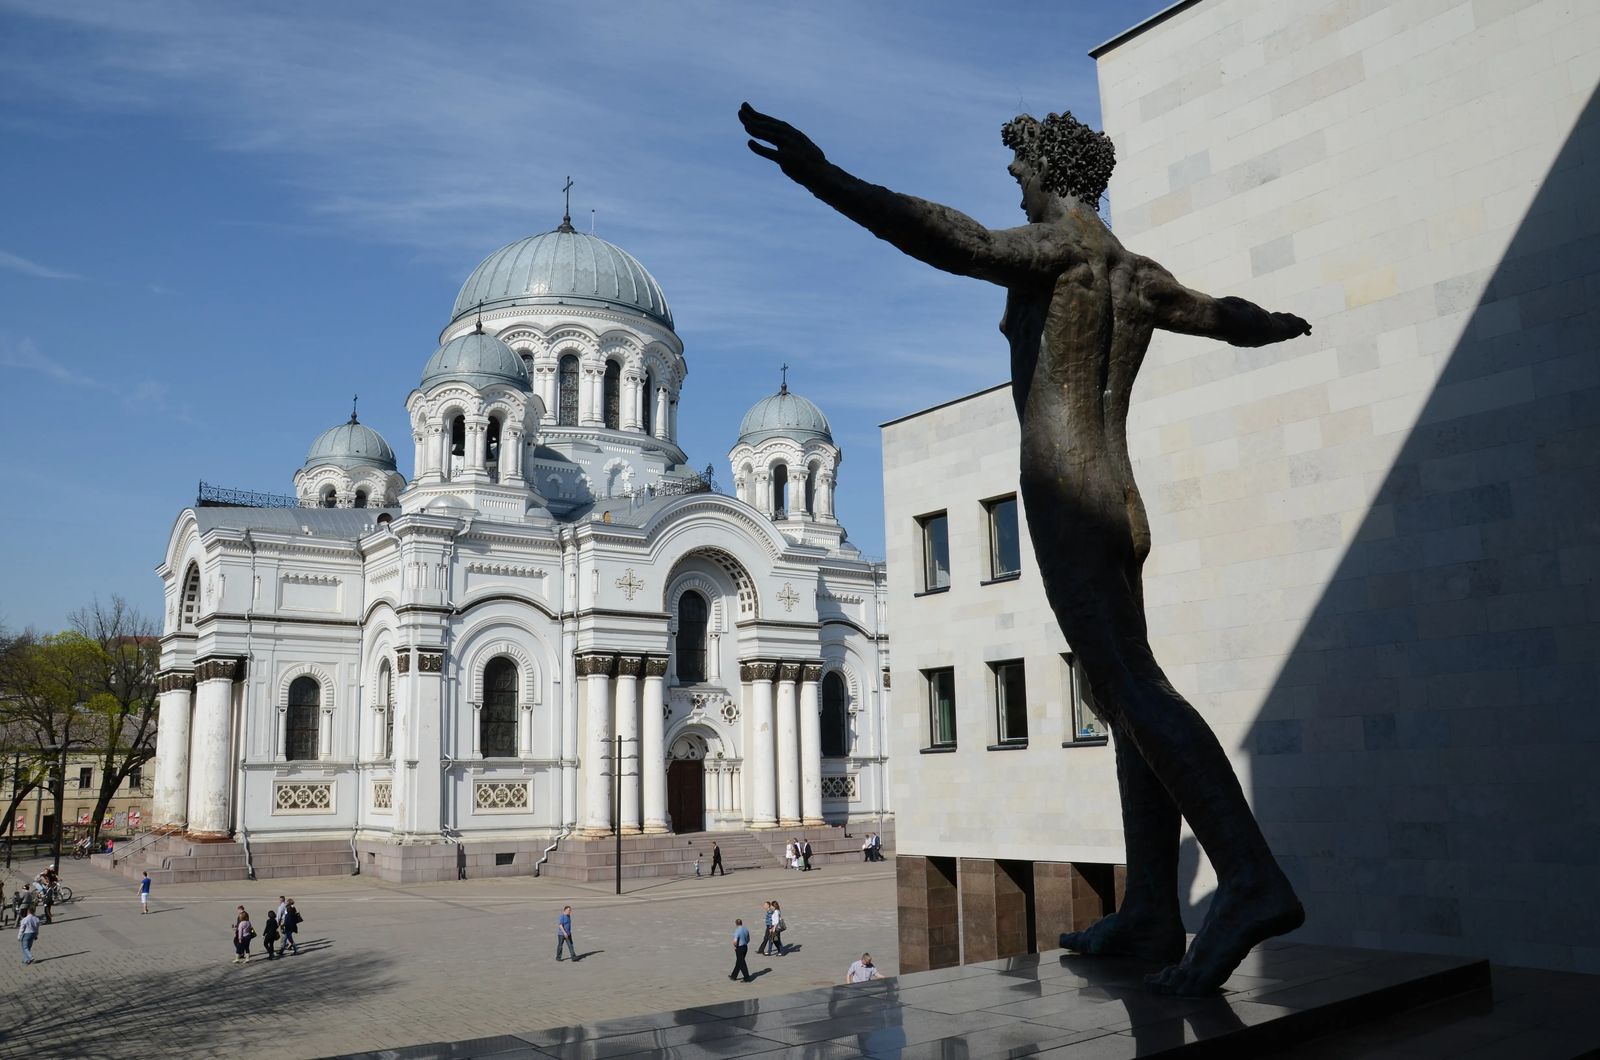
1121	935
1240	919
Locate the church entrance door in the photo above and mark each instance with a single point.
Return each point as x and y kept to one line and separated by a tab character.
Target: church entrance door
686	795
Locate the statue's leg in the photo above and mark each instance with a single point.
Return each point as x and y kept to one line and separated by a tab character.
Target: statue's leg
1149	923
1254	900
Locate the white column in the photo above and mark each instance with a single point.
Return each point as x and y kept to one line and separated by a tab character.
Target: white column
764	492
419	459
418	742
211	777
824	495
810	745
628	414
653	743
788	748
171	803
794	493
597	747
628	668
659	422
763	785
442	449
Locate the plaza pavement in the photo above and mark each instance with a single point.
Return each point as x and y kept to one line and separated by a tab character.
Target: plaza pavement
387	965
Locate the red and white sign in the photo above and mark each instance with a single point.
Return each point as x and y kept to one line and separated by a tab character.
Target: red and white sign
83	818
133	818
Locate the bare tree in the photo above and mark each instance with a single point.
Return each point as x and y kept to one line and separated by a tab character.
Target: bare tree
123	706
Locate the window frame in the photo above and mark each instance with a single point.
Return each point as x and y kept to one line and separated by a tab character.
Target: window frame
1078	703
924	525
939	741
503	717
295	725
85	777
1004	738
990	506
841	723
695	649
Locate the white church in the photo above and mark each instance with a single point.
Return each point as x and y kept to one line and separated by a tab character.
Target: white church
555	628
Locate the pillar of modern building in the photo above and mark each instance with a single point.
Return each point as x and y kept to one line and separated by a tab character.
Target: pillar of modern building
763	784
788	747
596	671
810	745
170	807
652	744
628	670
211	742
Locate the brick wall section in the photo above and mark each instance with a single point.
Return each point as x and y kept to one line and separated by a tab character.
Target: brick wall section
926	901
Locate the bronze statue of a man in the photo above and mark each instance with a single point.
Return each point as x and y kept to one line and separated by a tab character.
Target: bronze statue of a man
1080	310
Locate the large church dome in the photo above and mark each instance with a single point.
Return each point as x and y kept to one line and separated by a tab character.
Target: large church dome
565	267
784	415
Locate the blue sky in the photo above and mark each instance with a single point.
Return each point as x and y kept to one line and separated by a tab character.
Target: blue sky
219	221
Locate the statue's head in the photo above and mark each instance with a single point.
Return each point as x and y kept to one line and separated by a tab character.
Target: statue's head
1058	156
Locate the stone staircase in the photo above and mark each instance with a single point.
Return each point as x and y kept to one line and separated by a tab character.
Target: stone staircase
652	856
177	859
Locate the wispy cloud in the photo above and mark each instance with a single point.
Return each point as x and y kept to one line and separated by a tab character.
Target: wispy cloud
137	396
17	263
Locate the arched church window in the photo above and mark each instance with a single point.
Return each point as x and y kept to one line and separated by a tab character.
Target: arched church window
300	726
361	498
780	489
458	436
191	598
692	615
835	716
811	487
613	395
330	497
647	405
491	449
386	697
567	391
497	726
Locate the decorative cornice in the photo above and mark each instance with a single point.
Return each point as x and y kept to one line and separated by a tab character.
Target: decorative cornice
402	661
430	662
308	578
219	668
509	570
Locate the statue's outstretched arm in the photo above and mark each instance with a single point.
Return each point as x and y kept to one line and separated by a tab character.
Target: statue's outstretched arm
944	238
1233	320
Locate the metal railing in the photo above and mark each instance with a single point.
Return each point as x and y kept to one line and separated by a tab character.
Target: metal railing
209	496
704	482
141	842
353	855
249	865
547	850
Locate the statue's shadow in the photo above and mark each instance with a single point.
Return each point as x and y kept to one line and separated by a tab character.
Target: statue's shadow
1113	995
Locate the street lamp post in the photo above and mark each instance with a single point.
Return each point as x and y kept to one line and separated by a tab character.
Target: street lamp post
16	787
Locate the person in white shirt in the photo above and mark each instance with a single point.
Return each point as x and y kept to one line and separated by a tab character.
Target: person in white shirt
862	971
28	931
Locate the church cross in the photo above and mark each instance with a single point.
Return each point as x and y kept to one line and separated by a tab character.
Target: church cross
566	212
353	399
785	388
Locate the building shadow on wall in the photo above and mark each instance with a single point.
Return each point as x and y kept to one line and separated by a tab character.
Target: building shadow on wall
1447	674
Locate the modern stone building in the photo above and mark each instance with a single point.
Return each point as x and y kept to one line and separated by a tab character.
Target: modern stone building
554	628
1376	548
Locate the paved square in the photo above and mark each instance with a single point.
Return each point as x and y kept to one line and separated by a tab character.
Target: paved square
387	965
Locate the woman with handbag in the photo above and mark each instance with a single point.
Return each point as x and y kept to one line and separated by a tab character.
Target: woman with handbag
775	918
243	932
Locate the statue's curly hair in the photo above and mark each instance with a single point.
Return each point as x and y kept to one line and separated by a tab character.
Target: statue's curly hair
1070	158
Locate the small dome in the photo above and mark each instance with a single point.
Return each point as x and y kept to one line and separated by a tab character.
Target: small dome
350	445
476	359
563	266
784	415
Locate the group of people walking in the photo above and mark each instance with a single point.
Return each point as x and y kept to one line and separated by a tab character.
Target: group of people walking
798	854
277	935
872	847
773	927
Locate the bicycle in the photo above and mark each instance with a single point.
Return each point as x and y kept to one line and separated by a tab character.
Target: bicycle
60	894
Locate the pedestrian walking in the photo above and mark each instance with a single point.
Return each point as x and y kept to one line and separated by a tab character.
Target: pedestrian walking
144	895
28	932
243	932
289	925
862	971
741	947
805	855
697	865
716	860
269	935
778	928
766	929
564	934
789	855
866	848
877	847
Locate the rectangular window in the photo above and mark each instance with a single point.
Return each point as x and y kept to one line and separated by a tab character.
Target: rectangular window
85	776
1005	551
1010	702
941	707
1086	724
935	552
135	778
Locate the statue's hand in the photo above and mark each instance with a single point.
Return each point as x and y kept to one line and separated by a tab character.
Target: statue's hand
794	152
1289	326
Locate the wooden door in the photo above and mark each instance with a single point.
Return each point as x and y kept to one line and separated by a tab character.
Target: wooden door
686	795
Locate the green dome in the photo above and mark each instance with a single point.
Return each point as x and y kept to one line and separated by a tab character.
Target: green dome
563	267
478	360
784	415
350	445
